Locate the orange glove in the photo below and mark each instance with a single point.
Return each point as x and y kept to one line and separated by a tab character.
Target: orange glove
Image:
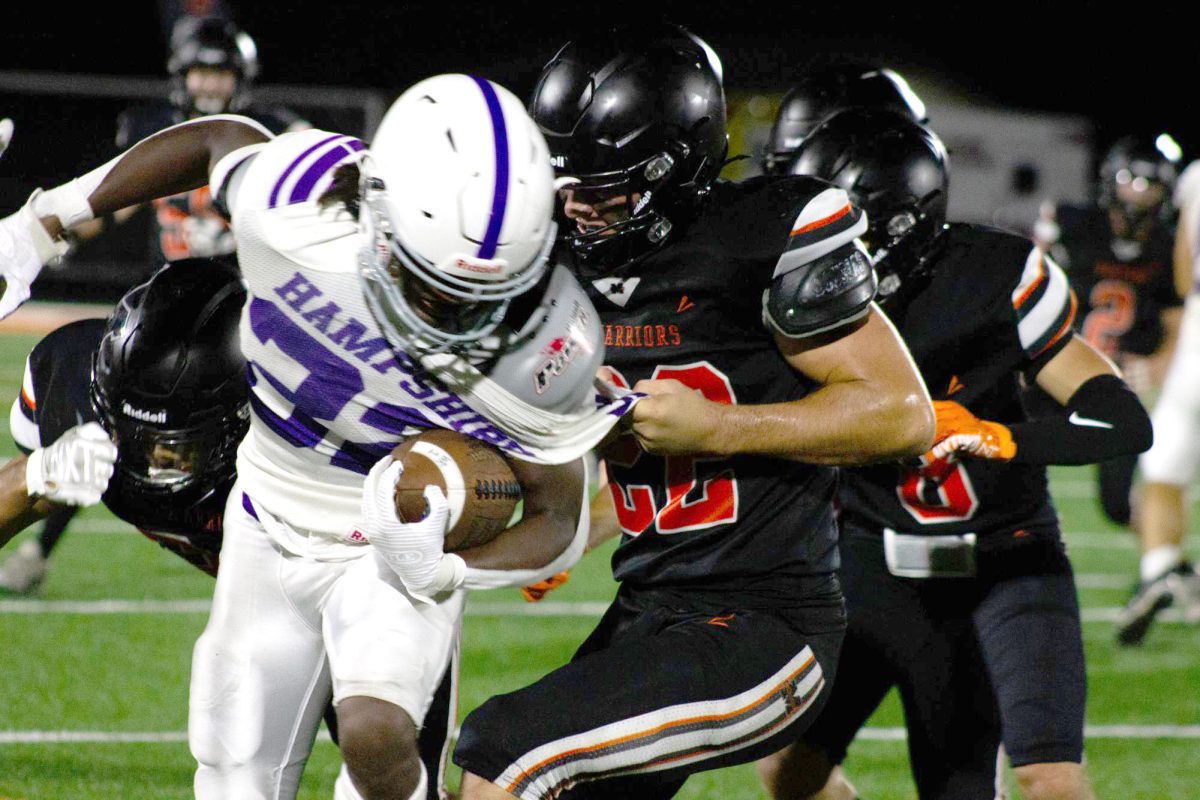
961	432
538	590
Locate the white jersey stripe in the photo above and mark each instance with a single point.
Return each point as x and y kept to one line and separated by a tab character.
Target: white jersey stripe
24	430
670	737
1037	321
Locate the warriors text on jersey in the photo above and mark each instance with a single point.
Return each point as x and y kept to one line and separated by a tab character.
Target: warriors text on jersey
994	307
1122	285
692	312
55	398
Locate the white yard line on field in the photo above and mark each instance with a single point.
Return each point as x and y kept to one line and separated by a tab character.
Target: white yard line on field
870	734
590	610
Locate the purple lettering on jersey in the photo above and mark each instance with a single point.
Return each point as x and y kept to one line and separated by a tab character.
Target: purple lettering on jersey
298	291
309	179
320	318
448	406
349	339
393	419
292	167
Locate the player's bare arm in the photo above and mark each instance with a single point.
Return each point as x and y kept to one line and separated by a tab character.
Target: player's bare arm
18	510
871	406
554	501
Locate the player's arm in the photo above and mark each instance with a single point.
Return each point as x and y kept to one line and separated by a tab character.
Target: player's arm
869	404
18	509
175	160
550	537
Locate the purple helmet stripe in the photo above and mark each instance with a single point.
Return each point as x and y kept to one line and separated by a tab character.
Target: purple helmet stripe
487	249
321	167
287	172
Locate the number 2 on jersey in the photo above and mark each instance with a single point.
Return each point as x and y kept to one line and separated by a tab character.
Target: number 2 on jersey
717	500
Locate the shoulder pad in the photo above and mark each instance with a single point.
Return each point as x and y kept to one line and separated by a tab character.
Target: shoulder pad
291	168
835	289
824	221
556	355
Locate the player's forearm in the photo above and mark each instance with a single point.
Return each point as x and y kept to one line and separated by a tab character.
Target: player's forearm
840	424
174	160
17	509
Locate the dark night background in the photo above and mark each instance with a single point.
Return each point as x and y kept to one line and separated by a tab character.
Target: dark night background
1125	72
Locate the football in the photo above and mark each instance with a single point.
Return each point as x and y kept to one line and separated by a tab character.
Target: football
477	480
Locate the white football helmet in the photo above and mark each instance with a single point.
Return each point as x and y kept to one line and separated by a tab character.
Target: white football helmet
457	203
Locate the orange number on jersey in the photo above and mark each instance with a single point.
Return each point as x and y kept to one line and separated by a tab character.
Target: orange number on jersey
1114	306
718	500
938	492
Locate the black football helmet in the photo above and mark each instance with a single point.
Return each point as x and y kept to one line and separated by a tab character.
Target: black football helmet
169	386
1137	177
635	113
894	169
824	91
210	42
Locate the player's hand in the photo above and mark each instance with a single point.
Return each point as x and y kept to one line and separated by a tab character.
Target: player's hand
535	592
25	247
413	550
75	470
674	419
959	432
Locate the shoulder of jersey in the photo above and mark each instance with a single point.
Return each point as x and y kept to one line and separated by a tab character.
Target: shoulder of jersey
71	340
779	215
291	168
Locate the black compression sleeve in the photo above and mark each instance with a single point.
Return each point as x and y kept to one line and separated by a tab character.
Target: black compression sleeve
1103	419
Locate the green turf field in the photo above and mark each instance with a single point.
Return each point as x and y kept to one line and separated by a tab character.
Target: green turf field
93	701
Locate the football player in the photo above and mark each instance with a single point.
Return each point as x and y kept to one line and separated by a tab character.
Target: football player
745	311
1118	255
163	377
820	93
958	588
389	290
212	65
1169	466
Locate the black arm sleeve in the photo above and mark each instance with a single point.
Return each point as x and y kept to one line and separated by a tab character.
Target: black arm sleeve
1104	419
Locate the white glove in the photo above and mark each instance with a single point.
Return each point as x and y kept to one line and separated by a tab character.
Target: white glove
75	469
413	550
25	248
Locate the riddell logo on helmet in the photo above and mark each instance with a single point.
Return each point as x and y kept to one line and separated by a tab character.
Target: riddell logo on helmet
157	417
479	265
558	162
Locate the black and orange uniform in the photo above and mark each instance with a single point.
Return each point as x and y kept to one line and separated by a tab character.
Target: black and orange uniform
987	643
729	603
188	225
55	397
1123	285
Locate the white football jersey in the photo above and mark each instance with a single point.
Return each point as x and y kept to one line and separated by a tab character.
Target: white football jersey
329	396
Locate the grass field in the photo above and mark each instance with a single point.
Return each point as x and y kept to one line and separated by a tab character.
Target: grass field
93	701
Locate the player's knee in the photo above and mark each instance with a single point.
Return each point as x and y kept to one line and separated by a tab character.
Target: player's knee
1061	780
378	741
797	772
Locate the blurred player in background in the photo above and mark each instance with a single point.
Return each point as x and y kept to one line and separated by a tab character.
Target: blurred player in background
1166	576
1118	254
389	291
745	311
212	66
959	592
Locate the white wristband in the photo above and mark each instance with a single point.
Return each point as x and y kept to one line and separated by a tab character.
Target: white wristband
34	485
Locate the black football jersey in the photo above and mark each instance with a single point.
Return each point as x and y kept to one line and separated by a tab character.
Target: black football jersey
994	308
55	397
188	225
692	311
1122	286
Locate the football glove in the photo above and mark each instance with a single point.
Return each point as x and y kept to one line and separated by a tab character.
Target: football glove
537	591
25	247
959	432
75	469
413	550
6	132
